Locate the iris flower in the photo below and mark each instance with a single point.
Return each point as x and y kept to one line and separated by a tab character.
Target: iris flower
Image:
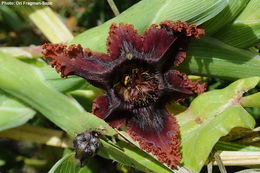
137	76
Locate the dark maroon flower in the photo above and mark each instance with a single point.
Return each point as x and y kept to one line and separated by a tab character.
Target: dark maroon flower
135	73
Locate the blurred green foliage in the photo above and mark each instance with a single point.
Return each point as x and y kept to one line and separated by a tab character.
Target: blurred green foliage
78	15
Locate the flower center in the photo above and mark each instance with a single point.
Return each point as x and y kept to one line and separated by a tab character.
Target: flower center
138	86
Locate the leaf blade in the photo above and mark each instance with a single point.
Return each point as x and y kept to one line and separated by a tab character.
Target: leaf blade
210	57
12	112
210	116
245	30
225	17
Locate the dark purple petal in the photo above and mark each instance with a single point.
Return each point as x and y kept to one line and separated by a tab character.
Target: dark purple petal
73	60
101	106
157	41
106	107
123	41
117	122
179	84
156	131
168	43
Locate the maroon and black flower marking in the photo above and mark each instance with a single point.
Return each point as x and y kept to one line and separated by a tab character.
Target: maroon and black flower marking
137	77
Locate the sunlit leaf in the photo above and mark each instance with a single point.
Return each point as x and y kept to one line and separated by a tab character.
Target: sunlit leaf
245	30
211	116
251	100
225	16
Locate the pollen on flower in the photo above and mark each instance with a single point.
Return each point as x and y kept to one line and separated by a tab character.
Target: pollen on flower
138	86
136	73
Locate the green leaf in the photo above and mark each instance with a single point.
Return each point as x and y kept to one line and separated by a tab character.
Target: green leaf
251	100
31	88
210	57
11	18
65	164
12	112
147	12
61	84
88	93
230	146
53	78
225	16
68	163
245	30
131	156
211	116
192	11
22	52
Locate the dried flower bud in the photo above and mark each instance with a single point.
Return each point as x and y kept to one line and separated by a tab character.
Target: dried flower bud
86	145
